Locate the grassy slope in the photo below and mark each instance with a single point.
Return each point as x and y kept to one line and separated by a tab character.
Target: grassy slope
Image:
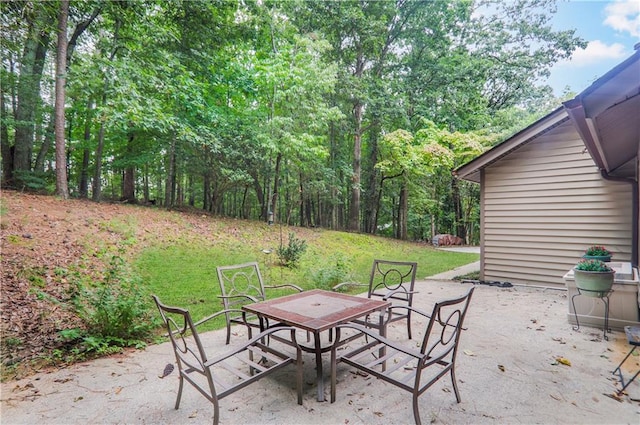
184	273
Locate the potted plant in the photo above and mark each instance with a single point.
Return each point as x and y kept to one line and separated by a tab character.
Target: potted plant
597	252
594	277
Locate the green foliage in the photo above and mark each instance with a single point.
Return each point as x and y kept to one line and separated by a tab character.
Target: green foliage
593	266
290	255
597	250
331	272
115	312
35	181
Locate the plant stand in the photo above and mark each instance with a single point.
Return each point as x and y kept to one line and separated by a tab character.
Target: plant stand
604	296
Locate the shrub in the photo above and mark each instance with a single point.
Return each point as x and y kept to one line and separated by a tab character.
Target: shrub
115	312
290	255
329	274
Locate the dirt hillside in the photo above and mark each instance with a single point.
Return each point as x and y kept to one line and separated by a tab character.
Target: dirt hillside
44	239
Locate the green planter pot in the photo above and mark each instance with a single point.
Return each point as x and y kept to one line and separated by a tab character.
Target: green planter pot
605	258
594	284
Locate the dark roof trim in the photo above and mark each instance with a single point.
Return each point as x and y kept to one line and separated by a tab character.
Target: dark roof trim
575	109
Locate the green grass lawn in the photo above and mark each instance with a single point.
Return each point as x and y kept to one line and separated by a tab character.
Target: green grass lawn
184	274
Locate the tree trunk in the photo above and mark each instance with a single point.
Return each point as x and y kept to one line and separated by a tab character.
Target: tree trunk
49	135
354	215
403	207
6	148
83	184
171	175
273	201
31	66
96	186
128	178
457	206
62	188
371	202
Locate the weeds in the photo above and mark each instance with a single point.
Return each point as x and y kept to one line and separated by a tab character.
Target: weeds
114	311
329	274
290	255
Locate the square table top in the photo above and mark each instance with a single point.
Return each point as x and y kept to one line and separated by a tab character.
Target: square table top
316	310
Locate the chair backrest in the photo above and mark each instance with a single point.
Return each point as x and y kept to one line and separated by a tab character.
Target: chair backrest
187	347
441	338
243	281
393	279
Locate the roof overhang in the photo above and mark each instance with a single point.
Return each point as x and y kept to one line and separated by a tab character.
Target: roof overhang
606	116
471	170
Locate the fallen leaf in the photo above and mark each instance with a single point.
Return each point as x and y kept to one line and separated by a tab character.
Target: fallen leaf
167	370
563	361
469	353
118	390
614	396
379	414
194	414
555	397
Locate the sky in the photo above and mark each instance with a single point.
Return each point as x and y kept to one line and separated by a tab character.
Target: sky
611	28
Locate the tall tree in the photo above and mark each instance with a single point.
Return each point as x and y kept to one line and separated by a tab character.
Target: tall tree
36	22
62	188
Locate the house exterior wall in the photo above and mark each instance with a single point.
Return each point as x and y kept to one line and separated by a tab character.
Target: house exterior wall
543	204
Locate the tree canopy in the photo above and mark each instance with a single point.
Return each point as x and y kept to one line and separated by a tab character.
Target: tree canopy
347	115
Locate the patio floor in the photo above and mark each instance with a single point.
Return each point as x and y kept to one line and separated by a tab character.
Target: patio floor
507	372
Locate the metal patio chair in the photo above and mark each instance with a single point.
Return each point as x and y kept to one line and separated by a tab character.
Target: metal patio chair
403	365
217	377
393	281
242	284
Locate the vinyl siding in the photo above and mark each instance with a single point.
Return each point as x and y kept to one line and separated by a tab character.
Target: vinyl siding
543	204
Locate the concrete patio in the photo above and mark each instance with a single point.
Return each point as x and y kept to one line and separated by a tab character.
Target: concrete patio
507	369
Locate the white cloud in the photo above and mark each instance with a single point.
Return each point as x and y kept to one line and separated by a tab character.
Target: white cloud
624	16
597	51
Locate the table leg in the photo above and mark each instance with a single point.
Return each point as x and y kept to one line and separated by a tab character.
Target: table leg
319	373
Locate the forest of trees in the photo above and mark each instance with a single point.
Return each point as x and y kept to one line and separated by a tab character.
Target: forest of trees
341	114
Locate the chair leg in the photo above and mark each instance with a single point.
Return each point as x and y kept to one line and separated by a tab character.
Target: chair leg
228	333
180	384
216	412
416	409
455	385
299	376
333	375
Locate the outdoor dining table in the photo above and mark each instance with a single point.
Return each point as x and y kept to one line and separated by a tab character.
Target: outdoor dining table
316	311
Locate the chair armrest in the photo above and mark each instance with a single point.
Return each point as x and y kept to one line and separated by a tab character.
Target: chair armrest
286	285
237	349
346	284
390	294
248	297
420	312
375	336
411	308
220	313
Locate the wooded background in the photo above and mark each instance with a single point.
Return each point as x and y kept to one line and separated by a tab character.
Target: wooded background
347	115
